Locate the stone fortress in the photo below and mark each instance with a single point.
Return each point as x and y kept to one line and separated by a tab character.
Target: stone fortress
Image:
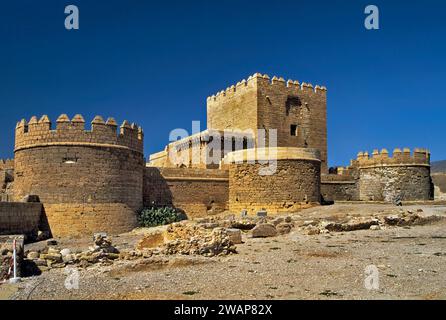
97	180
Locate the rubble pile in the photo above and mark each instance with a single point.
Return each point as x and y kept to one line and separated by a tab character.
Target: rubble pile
323	227
52	257
195	240
256	224
311	230
409	218
246	223
403	218
281	225
352	225
188	238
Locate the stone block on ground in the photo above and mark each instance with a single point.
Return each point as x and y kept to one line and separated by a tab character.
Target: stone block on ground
264	230
243	225
235	235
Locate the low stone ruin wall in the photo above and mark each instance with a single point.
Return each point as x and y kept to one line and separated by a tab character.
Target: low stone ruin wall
196	192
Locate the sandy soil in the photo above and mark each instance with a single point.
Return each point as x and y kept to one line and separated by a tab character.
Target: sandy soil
411	263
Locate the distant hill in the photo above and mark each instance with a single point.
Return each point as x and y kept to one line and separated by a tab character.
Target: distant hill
438	166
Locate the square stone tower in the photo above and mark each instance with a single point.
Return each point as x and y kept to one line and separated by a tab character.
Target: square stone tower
298	111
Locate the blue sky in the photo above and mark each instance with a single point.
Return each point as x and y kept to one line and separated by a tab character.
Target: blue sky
155	63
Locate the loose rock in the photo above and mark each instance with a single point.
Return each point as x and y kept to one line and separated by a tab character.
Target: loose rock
65	252
277	221
33	255
351	226
149	241
264	230
284	228
193	240
311	230
235	235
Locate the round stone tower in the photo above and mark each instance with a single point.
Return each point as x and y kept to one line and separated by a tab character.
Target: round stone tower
273	179
88	180
403	176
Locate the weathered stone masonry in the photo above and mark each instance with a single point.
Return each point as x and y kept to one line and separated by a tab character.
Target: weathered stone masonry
88	181
339	188
20	218
197	192
381	177
294	183
403	176
298	111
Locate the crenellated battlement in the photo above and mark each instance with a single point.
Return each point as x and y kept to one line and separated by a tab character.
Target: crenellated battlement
6	164
348	171
399	157
40	132
257	79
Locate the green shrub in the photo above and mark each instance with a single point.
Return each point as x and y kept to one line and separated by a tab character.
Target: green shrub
152	217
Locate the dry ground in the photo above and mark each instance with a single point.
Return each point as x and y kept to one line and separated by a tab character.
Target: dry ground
411	263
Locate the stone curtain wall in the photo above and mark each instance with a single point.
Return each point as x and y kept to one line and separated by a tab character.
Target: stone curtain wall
88	181
264	103
340	190
20	218
340	185
197	192
294	185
